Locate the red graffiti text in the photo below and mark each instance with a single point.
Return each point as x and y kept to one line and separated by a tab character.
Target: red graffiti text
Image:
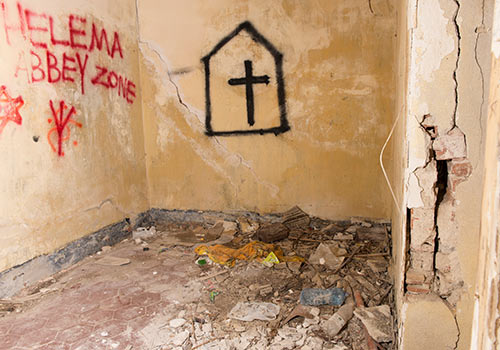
9	108
38	28
112	80
61	121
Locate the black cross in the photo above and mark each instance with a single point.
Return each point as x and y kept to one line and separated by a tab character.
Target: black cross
248	81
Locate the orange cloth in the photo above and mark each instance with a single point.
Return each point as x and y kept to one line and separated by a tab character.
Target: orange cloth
255	250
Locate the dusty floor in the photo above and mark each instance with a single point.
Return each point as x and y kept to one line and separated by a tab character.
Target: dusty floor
161	298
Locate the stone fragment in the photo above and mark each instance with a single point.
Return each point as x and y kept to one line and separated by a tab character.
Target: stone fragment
378	322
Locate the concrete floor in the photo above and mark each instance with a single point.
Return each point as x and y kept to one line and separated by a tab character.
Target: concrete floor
160	299
94	306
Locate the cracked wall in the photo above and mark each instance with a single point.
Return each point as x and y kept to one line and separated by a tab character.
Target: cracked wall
339	85
66	174
443	50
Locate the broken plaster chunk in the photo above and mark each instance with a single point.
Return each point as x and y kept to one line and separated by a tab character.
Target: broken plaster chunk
247	226
180	338
427	178
254	311
177	322
451	145
329	255
378	322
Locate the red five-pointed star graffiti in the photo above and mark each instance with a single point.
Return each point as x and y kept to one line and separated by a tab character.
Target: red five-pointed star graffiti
9	108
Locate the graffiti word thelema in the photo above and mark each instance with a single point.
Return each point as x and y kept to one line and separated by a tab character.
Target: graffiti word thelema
9	108
61	121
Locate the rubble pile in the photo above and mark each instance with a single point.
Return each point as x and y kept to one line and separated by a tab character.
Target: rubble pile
261	298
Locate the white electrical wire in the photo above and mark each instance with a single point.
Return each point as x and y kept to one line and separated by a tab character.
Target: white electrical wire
382	163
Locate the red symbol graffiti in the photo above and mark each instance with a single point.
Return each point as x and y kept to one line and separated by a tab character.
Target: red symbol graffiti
9	108
62	128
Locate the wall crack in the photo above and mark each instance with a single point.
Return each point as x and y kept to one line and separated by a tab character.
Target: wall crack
459	49
480	30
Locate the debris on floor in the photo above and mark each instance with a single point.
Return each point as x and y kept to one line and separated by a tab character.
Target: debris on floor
236	282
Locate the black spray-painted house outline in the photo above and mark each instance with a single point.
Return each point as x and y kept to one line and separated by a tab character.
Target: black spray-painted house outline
249	80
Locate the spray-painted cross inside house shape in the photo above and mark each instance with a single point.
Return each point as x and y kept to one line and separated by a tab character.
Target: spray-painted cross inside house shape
220	118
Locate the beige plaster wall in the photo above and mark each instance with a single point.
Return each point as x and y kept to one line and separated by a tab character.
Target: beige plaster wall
51	195
339	79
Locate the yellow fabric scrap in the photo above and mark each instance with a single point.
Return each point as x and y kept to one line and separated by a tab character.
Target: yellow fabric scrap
255	250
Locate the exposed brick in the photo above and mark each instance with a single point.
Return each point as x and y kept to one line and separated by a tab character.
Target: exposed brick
415	277
451	145
460	168
418	288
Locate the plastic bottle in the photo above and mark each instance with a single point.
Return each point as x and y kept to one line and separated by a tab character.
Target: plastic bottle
316	296
339	319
